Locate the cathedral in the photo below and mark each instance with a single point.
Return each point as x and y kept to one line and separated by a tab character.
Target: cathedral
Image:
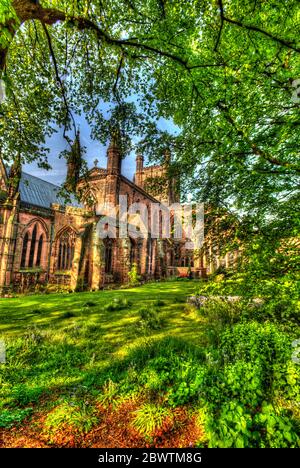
45	240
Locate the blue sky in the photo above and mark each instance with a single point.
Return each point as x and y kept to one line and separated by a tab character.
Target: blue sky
94	150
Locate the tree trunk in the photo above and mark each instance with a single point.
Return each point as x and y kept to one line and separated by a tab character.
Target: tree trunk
28	10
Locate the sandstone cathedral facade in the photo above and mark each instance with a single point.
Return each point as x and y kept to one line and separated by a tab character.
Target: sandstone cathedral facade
46	240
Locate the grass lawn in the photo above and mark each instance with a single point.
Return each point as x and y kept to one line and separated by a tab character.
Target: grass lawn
54	312
141	368
63	349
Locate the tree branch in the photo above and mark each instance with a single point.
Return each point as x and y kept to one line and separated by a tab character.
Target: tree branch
221	25
59	80
29	10
118	76
250	27
256	151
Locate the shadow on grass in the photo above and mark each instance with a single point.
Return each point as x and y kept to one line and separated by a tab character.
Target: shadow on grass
45	311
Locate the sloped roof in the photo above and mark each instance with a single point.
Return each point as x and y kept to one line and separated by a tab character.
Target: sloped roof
39	192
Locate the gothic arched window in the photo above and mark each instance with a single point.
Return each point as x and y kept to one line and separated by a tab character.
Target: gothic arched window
172	257
33	244
66	247
136	248
132	252
89	199
39	251
135	251
32	247
24	250
108	257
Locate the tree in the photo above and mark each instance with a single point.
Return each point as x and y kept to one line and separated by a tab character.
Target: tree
223	71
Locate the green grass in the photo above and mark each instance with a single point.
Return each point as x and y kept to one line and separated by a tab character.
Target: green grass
73	360
115	312
62	343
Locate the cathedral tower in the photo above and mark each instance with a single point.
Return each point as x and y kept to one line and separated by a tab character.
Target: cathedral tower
138	177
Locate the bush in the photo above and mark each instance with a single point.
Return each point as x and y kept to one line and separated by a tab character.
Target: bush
149	418
280	295
236	426
22	394
256	342
187	381
252	367
133	276
109	395
9	418
150	318
77	416
220	313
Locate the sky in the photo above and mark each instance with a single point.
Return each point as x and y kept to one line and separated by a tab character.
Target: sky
94	150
